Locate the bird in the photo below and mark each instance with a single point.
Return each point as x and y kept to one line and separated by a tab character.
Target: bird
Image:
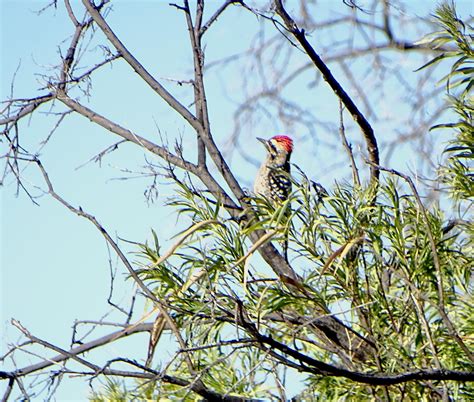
273	180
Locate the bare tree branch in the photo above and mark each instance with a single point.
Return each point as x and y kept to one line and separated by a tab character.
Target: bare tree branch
216	15
78	350
30	106
348	147
145	373
137	66
199	96
126	134
308	364
160	90
358	117
9	389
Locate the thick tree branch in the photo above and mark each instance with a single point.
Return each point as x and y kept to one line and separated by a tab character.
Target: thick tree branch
204	134
161	91
71	51
314	366
203	174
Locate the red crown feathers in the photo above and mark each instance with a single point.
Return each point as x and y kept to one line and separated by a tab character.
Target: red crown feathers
284	141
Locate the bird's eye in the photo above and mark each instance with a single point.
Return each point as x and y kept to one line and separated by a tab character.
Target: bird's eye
273	150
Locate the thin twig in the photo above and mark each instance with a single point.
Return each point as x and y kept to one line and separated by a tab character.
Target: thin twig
73	353
216	15
30	106
348	147
159	303
126	134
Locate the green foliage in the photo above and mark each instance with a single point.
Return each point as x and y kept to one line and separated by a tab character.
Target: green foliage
112	390
384	285
458	172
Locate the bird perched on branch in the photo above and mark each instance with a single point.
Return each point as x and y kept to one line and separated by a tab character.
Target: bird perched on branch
273	182
273	178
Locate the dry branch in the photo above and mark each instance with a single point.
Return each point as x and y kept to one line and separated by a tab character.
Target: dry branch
138	67
314	366
73	353
357	115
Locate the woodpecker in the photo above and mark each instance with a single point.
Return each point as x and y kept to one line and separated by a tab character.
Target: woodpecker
273	178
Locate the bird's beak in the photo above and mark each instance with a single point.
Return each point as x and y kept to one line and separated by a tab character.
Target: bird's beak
263	141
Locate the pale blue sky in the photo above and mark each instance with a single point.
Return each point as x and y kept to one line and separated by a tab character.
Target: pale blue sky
54	265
